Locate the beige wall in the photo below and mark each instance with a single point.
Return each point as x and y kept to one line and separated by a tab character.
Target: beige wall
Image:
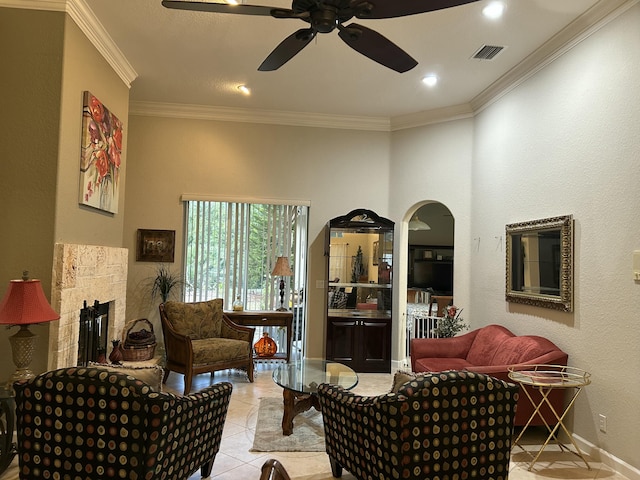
47	64
85	69
336	170
31	51
566	141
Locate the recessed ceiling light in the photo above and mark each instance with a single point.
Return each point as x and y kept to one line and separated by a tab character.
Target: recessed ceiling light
244	89
494	10
430	80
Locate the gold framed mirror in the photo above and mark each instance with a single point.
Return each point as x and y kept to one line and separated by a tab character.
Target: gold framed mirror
539	268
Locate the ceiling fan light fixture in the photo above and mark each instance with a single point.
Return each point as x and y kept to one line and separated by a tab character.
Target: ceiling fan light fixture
244	89
325	16
416	224
430	80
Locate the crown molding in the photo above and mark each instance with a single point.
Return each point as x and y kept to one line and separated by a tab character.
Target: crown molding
100	38
591	21
581	28
51	5
84	17
248	115
429	117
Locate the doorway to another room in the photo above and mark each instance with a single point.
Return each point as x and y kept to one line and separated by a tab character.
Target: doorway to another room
429	270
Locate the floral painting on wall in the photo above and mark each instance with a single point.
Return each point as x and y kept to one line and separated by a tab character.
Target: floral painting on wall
100	159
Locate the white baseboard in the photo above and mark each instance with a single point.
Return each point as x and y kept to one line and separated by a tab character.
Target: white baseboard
604	457
404	366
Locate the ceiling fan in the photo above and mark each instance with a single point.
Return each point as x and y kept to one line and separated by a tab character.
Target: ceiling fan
324	16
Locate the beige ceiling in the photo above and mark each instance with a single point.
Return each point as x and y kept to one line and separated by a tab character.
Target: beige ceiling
194	58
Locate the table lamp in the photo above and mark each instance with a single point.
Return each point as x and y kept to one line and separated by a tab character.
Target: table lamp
282	269
24	304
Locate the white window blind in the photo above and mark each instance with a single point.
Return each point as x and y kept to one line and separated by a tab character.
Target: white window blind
231	249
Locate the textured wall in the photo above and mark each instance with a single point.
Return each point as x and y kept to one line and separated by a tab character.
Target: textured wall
30	82
567	142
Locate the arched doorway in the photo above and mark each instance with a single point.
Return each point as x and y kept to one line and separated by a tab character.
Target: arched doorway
430	254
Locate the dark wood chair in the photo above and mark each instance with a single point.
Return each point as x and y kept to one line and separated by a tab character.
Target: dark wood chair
200	338
274	470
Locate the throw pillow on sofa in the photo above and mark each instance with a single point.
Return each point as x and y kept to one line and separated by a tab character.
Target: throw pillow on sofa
151	375
400	378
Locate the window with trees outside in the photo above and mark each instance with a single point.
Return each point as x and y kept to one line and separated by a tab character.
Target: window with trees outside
231	249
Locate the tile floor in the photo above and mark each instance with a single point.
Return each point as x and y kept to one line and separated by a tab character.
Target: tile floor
234	460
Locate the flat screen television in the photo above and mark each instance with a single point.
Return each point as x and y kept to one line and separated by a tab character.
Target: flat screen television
433	274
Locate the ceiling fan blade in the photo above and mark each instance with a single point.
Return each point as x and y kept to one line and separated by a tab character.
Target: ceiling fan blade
228	8
400	8
377	47
287	49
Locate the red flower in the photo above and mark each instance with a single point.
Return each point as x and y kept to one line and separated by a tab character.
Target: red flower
96	108
102	164
117	137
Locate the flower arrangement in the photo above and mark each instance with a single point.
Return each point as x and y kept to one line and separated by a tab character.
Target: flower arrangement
450	324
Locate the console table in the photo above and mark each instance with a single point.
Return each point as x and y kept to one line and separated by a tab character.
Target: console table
267	318
546	378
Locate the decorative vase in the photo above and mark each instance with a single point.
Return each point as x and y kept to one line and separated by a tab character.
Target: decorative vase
116	354
266	346
102	358
237	305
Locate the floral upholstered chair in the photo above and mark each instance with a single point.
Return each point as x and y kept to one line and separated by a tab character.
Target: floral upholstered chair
447	425
92	423
200	338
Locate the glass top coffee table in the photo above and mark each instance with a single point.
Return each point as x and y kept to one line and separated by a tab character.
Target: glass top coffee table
299	381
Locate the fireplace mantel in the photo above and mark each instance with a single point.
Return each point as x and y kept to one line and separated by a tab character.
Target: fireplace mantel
84	272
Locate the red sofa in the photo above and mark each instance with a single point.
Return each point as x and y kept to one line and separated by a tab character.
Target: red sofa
491	350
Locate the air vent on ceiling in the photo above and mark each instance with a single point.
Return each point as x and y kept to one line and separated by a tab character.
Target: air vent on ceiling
487	52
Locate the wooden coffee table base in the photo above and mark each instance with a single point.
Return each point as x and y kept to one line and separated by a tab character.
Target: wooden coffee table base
295	403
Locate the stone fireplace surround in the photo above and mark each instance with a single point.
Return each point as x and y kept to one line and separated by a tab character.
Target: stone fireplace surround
85	272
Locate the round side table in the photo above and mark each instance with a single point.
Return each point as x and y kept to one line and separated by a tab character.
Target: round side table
545	379
7	419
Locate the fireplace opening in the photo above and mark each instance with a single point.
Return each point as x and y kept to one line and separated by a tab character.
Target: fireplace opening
94	328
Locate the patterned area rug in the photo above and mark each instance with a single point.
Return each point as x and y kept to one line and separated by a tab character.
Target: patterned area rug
307	436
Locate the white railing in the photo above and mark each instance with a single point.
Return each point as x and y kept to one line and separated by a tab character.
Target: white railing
420	323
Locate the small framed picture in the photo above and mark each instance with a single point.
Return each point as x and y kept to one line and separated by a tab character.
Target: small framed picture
155	245
428	254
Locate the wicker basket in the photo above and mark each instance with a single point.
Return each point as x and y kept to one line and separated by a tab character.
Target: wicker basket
137	350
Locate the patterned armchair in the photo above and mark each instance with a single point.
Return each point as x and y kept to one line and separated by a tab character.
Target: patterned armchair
446	425
88	423
200	338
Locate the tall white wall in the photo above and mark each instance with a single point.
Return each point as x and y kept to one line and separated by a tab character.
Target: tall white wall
431	164
567	141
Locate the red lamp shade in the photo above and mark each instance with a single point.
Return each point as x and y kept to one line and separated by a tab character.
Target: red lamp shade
25	304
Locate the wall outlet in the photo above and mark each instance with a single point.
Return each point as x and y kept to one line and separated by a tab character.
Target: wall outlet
602	421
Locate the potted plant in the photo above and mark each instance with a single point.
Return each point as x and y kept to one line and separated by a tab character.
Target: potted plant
164	283
450	324
358	270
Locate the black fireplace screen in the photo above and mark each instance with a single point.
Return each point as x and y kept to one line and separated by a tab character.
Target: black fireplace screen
94	327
